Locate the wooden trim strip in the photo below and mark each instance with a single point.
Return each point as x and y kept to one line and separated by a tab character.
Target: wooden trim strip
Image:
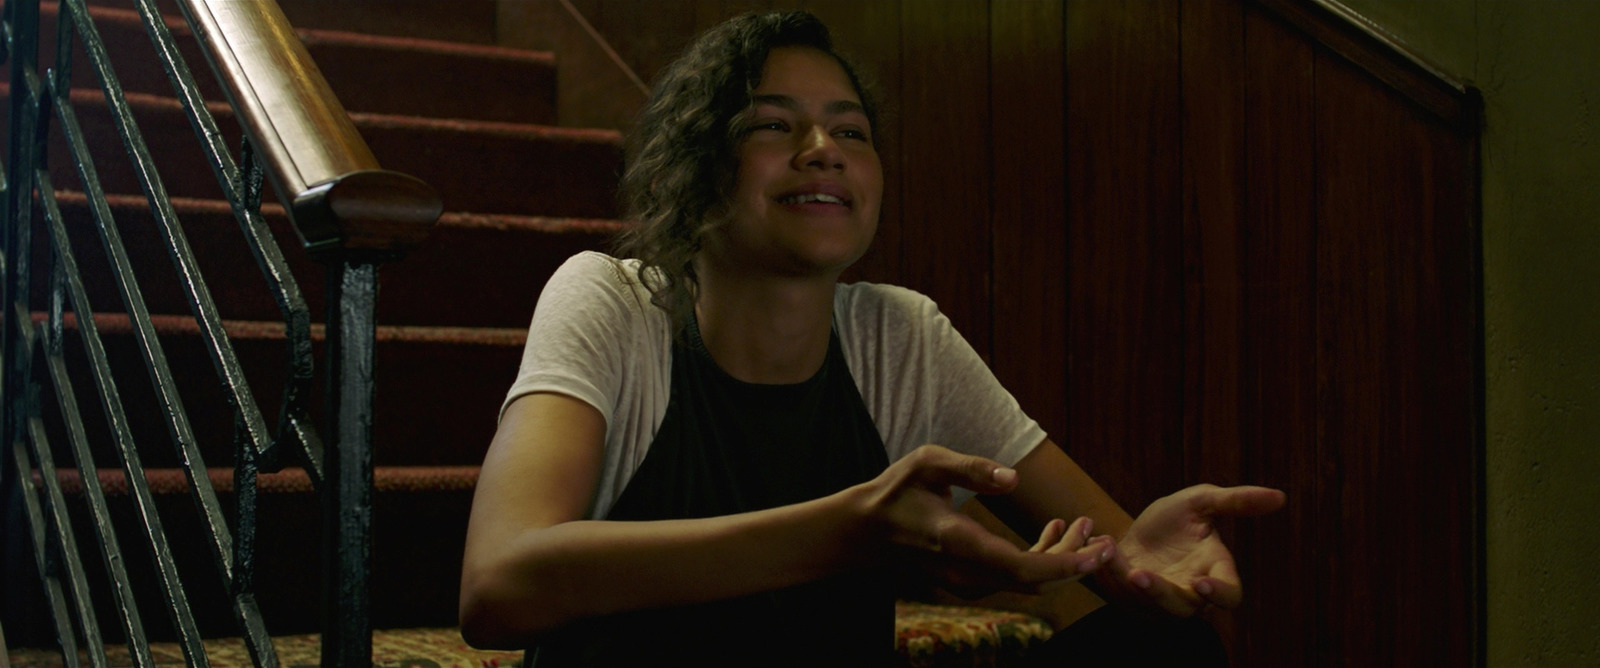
1378	53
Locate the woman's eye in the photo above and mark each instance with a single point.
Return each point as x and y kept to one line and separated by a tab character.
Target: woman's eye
776	126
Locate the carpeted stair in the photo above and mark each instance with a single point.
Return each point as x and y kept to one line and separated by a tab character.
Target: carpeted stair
476	122
473	120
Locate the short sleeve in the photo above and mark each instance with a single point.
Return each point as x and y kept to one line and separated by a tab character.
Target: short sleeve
974	413
578	341
596	337
922	381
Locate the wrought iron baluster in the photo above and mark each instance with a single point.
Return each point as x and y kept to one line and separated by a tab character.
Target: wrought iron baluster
69	285
18	214
71	559
116	416
14	494
220	538
22	21
294	423
54	517
54	594
269	258
237	391
347	498
100	514
219	535
20	513
24	427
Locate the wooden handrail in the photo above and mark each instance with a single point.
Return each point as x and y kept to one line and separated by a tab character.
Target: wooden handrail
337	194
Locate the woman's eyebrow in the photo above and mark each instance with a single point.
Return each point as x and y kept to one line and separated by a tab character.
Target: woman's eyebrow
789	103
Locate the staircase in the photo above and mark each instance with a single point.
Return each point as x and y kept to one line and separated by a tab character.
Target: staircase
435	100
474	121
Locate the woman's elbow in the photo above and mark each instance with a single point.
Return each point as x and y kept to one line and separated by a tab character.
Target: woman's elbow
485	628
492	616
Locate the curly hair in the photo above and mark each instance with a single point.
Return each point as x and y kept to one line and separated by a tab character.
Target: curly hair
681	157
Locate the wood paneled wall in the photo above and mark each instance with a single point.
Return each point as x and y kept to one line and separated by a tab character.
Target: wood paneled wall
1201	241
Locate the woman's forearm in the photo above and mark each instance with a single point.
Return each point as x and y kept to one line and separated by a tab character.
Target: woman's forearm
546	577
530	566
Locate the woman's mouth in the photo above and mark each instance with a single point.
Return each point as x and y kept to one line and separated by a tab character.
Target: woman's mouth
807	198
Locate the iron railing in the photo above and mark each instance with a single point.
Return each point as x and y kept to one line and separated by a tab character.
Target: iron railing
351	214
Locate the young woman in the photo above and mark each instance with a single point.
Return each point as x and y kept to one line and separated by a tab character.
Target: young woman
715	453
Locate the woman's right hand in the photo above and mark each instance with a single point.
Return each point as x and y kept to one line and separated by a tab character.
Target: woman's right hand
910	505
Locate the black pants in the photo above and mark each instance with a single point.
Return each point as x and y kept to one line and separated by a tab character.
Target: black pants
1110	637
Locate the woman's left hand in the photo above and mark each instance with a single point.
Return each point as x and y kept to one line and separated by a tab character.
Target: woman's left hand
1172	559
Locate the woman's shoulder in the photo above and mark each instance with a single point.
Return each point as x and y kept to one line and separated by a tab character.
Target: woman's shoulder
592	287
890	315
881	302
592	271
596	266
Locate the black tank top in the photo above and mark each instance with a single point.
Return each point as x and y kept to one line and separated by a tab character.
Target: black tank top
727	447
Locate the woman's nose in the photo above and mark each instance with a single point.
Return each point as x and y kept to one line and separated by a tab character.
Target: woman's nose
818	150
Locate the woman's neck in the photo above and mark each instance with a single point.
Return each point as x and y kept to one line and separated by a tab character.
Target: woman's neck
765	330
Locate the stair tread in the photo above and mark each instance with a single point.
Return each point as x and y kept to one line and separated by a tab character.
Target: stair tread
357	65
533	246
327	35
163	481
455	20
556	171
515	251
458	219
413	44
492	128
136	99
168	324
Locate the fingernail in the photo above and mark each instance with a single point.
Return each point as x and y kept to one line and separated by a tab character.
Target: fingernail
1142	580
1088	527
1087	566
1005	476
1203	587
1107	554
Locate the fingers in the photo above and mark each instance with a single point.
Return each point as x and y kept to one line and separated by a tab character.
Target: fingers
1059	538
1221	589
1062	553
1052	534
1221	593
1175	600
1221	586
935	465
1242	501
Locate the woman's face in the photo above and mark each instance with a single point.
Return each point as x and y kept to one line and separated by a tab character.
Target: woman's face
808	187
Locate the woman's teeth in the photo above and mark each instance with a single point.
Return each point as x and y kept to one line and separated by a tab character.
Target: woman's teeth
808	198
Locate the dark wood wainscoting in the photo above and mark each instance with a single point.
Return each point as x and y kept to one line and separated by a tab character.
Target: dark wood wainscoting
1273	277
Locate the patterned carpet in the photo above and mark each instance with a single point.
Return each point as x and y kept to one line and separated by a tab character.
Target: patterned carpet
926	636
408	648
937	636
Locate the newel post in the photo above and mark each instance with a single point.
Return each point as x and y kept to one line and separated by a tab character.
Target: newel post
378	216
